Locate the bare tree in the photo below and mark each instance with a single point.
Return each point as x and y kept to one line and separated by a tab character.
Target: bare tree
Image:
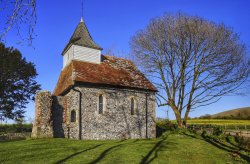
192	61
19	16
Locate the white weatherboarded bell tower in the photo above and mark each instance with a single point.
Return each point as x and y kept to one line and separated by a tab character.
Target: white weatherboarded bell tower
81	47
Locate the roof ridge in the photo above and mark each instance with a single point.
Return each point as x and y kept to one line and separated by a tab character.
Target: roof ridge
76	60
118	58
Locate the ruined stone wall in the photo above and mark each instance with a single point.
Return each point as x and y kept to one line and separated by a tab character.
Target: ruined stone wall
116	122
58	108
43	127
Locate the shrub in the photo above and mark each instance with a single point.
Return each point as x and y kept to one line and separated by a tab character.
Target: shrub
164	125
204	133
15	128
243	142
217	131
206	116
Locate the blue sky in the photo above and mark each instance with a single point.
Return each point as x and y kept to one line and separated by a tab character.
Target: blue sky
112	23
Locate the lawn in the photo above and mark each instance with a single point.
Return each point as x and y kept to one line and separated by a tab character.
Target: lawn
174	148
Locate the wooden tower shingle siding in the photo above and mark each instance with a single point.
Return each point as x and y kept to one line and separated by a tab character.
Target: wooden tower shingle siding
81	46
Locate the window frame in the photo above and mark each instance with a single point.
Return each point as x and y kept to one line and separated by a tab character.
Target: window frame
103	103
132	106
135	105
73	116
100	102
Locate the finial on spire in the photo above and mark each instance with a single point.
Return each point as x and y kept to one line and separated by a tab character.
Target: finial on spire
82	12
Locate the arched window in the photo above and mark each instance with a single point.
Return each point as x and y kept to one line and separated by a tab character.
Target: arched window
100	104
132	106
73	116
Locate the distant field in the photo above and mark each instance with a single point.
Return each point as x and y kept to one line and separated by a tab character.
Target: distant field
223	123
220	122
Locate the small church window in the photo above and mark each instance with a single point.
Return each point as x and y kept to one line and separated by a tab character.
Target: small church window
132	106
73	116
100	104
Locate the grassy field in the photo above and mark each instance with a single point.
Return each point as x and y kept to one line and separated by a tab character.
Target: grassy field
174	148
223	123
220	122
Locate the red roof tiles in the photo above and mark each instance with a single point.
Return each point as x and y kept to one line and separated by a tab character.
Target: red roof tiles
112	71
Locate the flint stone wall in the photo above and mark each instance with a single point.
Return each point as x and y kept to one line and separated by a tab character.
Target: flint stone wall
57	116
115	123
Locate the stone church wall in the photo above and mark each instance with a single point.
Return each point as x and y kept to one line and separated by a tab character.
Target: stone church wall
72	105
116	122
53	114
58	116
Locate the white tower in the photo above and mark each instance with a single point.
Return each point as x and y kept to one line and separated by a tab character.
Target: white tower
81	47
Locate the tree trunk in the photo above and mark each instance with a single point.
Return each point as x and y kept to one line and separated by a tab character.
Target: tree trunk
178	118
185	120
186	116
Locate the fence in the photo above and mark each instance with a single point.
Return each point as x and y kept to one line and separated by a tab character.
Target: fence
235	130
240	133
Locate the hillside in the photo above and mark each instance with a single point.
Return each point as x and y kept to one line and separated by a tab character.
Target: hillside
240	113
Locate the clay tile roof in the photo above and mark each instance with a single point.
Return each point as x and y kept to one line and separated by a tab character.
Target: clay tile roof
82	37
112	71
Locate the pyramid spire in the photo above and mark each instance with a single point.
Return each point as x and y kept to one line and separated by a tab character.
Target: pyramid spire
82	37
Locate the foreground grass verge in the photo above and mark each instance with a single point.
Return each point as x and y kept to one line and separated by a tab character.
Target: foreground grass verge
174	148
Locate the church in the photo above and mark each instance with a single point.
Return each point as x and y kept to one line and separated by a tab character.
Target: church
97	97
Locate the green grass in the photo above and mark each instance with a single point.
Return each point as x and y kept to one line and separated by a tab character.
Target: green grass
174	148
